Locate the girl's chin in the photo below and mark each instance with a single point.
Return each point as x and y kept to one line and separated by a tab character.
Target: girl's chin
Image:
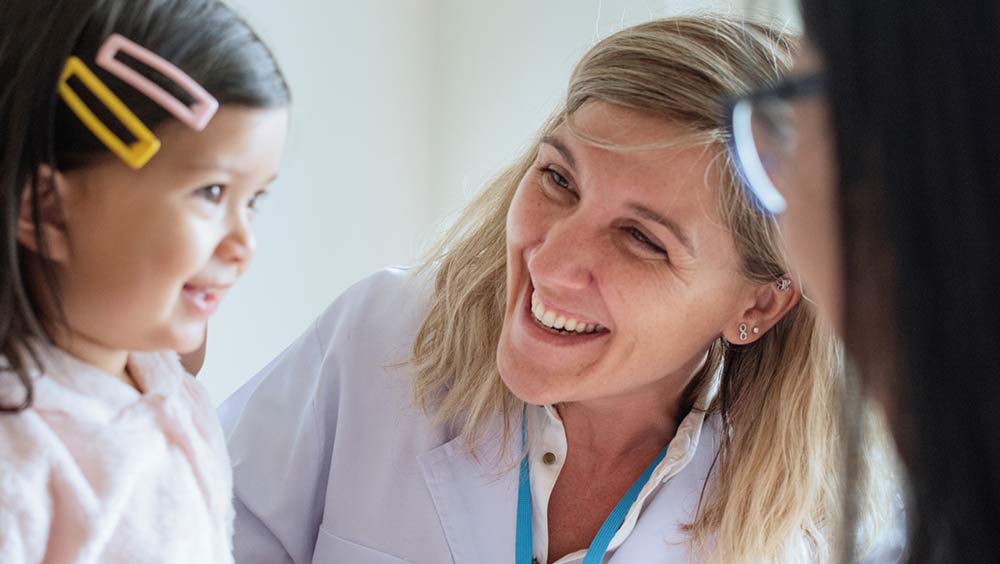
187	340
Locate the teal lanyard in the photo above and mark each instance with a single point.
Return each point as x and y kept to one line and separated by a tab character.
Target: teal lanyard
599	546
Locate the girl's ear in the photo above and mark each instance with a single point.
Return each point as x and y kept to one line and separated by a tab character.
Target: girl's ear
51	225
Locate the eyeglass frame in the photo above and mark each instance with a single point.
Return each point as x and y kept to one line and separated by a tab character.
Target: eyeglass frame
752	174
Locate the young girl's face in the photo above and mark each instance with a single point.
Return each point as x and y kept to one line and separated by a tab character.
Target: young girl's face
150	253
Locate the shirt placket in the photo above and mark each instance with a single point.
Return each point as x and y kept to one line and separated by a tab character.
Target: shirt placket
547	452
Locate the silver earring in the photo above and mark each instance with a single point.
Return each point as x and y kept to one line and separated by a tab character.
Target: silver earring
743	331
784	284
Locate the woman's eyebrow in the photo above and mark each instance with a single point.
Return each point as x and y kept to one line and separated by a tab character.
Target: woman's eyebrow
560	146
670	224
638	209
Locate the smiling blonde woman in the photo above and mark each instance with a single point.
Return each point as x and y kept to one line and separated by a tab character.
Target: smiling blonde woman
606	360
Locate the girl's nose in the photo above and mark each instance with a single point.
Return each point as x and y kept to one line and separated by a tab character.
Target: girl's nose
240	244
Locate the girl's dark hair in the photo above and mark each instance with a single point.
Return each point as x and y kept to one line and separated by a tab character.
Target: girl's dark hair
204	38
914	86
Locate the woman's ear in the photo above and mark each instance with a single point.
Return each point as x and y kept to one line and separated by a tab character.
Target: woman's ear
772	302
51	222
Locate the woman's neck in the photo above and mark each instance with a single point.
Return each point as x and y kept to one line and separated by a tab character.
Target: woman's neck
611	428
642	420
610	442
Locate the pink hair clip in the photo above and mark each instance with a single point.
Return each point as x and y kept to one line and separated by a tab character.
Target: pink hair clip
196	116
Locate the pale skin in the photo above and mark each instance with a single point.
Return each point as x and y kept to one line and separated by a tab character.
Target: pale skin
583	237
143	257
806	179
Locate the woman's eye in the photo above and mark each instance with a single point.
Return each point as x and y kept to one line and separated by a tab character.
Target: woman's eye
554	176
641	238
211	193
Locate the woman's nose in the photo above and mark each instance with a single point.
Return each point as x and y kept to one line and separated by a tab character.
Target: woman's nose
565	259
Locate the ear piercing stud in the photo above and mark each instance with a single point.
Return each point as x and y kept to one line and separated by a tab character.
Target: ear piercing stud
744	335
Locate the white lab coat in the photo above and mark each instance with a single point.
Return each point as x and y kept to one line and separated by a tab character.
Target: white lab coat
334	464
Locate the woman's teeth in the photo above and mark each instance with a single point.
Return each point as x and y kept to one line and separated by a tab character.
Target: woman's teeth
554	320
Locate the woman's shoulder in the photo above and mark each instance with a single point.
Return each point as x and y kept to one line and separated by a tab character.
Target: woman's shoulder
358	348
378	315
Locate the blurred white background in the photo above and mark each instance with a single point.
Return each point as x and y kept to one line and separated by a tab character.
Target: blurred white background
403	108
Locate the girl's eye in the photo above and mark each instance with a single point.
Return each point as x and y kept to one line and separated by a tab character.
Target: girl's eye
211	193
641	238
255	199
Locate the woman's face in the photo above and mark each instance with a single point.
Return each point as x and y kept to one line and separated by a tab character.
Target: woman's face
621	271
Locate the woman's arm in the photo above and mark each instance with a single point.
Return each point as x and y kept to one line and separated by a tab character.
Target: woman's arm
281	426
279	430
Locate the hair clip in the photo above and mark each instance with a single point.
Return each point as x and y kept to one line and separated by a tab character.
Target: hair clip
146	144
196	116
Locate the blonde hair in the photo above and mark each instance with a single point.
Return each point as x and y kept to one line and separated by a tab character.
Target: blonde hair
776	492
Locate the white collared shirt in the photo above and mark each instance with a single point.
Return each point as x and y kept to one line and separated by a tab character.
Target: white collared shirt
334	463
549	438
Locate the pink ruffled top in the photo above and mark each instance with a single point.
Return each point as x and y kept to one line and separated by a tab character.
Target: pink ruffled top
97	472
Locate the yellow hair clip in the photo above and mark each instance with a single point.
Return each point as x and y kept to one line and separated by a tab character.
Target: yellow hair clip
146	144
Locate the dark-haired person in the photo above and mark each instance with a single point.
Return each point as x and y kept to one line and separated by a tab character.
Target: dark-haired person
882	142
135	138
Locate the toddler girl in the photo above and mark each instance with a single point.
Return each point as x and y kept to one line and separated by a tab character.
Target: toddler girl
136	137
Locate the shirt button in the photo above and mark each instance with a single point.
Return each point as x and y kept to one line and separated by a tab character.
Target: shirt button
549	458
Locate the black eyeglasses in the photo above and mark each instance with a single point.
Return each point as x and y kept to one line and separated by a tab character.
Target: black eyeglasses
763	135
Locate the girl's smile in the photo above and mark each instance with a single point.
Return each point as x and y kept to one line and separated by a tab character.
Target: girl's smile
148	255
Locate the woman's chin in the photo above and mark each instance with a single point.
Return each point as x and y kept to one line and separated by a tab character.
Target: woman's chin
530	385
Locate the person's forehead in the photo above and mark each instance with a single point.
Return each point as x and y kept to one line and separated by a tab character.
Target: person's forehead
617	150
226	143
618	125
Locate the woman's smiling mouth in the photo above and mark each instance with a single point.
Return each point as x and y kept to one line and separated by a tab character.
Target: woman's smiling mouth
561	322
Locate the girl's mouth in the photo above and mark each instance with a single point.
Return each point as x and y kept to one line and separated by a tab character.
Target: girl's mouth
203	299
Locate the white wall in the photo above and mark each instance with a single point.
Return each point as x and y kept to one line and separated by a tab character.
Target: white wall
403	108
501	68
352	193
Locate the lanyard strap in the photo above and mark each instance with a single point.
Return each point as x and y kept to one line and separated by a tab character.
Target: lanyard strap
523	542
